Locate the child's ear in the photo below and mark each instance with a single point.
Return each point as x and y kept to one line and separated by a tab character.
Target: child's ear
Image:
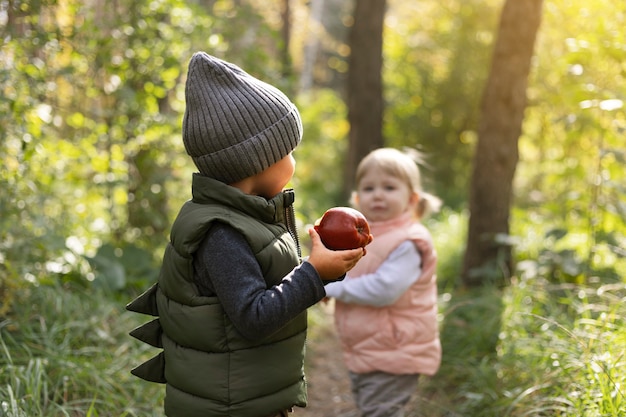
354	199
414	199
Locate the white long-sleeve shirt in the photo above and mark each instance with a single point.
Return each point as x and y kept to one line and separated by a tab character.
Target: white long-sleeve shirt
396	274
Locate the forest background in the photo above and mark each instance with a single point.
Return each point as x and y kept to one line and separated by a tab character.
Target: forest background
93	172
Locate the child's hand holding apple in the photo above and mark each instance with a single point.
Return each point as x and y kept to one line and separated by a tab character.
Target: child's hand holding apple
339	239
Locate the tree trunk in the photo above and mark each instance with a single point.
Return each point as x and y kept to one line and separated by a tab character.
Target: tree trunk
285	33
312	45
488	256
364	86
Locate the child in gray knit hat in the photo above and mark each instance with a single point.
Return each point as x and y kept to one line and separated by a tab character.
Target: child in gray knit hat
231	299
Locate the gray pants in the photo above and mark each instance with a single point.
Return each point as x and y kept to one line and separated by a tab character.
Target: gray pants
379	394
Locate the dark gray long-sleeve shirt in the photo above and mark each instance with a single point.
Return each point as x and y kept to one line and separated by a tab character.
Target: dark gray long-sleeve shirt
224	266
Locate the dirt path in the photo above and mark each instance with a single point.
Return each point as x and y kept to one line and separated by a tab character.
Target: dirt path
327	376
328	382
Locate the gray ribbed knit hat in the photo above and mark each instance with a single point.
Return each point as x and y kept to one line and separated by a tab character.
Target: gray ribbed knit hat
235	125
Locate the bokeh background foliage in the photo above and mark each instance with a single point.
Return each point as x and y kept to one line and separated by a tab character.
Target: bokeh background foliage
93	96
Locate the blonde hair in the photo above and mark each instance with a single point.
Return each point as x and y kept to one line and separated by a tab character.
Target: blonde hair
403	165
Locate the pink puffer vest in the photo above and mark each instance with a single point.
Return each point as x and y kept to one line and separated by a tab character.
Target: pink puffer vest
401	338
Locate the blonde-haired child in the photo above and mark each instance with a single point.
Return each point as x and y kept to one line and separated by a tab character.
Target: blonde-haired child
386	308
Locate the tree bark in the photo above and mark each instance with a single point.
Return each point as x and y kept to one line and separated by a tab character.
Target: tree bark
488	256
311	46
364	85
285	33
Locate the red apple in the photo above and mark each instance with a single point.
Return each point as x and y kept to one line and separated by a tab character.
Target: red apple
343	228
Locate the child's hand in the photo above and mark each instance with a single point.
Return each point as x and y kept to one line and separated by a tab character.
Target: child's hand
331	264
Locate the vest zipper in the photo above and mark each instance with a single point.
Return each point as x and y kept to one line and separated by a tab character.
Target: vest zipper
290	220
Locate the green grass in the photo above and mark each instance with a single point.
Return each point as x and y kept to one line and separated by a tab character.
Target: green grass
66	352
535	349
569	344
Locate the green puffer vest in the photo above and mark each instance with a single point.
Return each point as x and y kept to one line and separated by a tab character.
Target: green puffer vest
209	369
